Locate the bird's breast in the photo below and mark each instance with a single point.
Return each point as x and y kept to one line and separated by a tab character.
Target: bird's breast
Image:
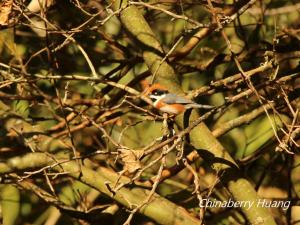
170	108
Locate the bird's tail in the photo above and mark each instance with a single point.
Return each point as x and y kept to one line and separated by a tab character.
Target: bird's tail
199	106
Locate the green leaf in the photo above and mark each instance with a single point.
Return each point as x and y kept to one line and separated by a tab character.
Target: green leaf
10	203
21	107
262	130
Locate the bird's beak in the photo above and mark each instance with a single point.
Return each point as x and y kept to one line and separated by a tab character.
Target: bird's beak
153	98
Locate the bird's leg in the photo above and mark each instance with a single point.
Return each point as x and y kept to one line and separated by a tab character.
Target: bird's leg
165	125
168	126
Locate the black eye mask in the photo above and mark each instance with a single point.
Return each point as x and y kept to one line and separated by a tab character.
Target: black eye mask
159	92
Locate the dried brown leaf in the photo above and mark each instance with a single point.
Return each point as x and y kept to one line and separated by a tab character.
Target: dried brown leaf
5	10
131	159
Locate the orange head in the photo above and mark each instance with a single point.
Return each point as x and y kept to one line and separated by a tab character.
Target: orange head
149	88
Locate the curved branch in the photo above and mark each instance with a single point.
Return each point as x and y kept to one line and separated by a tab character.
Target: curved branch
159	209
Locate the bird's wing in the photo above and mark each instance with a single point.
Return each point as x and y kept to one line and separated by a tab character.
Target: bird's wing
173	99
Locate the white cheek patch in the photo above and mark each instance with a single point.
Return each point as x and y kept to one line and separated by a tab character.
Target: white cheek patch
157	99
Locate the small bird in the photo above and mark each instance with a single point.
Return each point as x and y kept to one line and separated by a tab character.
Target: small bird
170	103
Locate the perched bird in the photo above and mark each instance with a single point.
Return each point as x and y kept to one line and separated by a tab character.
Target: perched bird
170	103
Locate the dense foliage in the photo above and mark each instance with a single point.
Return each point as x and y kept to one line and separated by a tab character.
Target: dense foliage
80	142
